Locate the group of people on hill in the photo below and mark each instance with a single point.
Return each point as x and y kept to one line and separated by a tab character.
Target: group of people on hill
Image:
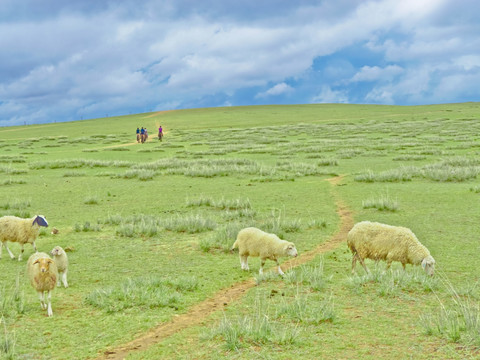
142	134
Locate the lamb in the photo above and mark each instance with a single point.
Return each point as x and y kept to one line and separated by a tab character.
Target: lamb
20	230
61	261
376	241
255	242
43	274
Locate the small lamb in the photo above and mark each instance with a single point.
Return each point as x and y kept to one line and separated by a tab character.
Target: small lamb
61	260
255	242
43	274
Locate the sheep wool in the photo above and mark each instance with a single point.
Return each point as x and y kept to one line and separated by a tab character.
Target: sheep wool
376	241
43	274
20	230
61	260
255	242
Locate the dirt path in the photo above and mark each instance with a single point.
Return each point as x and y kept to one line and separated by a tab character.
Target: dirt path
156	114
199	313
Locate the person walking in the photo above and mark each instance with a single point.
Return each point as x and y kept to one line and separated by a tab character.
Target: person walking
160	133
138	135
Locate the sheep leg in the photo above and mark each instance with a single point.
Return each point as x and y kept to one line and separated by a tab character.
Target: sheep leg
261	266
354	263
279	268
64	279
49	308
244	262
21	252
41	295
9	252
363	264
34	246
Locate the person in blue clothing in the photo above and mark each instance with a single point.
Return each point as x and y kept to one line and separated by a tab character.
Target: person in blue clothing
138	135
142	135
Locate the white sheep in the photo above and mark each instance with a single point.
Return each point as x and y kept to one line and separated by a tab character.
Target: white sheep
20	230
43	274
61	260
255	242
371	240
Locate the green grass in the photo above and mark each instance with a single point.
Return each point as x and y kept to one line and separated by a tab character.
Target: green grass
382	203
147	292
150	226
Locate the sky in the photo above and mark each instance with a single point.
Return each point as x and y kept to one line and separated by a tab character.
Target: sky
71	60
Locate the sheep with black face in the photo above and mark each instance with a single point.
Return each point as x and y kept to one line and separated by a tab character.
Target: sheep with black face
20	230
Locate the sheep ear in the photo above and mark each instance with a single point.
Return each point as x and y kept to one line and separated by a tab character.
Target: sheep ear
424	264
36	261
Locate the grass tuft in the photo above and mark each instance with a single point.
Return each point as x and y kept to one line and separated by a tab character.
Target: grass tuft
457	320
383	203
148	292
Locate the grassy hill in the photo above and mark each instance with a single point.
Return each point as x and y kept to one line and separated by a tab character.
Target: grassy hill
149	227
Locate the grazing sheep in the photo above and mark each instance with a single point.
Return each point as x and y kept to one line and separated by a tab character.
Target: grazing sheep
42	272
255	242
61	260
371	240
20	230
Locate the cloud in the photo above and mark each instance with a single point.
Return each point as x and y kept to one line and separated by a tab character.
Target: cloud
327	95
67	60
375	73
279	89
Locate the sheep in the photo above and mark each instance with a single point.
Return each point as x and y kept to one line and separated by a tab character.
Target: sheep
43	274
20	230
61	260
255	242
376	241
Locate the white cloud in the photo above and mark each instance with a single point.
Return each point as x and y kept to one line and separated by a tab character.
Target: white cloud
381	95
375	73
468	62
327	95
279	89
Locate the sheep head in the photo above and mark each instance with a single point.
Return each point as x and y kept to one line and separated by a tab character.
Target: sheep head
40	221
44	264
428	265
290	249
57	250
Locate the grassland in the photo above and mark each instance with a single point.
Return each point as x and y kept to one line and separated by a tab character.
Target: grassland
149	226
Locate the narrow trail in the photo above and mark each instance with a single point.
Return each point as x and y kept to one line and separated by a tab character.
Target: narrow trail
199	313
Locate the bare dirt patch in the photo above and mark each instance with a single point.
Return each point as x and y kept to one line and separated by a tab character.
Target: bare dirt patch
199	313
